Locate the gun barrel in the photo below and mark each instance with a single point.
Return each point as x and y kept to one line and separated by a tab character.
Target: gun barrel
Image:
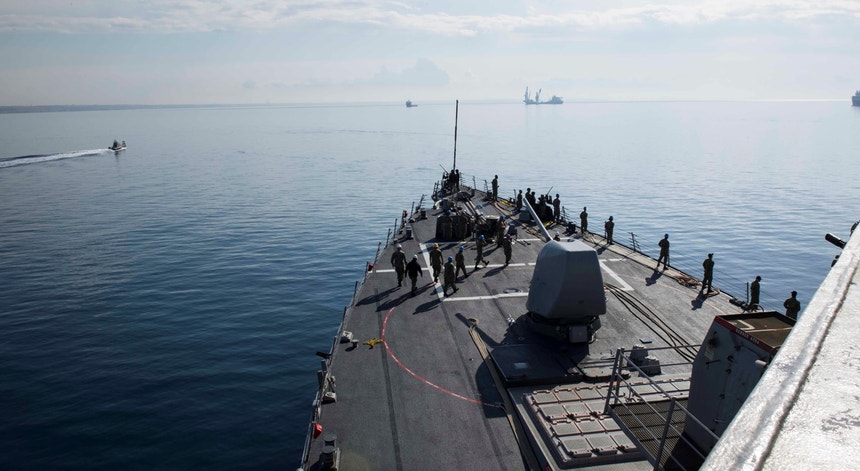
834	240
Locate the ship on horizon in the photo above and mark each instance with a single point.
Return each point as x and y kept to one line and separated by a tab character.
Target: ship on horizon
855	100
527	99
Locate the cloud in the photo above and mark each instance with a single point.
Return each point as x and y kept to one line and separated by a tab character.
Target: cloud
423	74
173	16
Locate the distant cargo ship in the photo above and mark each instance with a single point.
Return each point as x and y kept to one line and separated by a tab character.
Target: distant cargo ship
409	104
855	100
555	100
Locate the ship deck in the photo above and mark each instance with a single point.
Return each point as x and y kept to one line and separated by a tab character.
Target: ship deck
461	382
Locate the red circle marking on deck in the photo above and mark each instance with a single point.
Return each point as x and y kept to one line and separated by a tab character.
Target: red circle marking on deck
419	377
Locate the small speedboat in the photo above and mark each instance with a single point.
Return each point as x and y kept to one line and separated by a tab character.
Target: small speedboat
117	147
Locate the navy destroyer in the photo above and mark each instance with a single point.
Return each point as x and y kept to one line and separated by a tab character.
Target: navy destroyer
561	348
855	100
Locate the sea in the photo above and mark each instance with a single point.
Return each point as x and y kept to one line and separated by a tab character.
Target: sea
161	307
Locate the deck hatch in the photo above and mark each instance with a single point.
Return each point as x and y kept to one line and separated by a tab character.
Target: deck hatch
602	444
562	429
570	424
553	412
576	447
589	426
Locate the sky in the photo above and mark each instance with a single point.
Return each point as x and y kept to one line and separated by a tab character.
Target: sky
90	52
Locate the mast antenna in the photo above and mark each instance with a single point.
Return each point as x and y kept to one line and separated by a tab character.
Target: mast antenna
456	115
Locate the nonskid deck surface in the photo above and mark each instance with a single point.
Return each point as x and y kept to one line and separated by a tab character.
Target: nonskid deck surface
414	392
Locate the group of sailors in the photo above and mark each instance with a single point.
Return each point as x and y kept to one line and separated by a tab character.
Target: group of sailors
546	208
452	181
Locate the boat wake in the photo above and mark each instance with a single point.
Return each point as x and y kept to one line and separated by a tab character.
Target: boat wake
37	158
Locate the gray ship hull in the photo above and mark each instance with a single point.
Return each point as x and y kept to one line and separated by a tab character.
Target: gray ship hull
467	381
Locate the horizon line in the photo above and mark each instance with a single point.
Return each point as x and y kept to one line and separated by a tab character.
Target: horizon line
10	109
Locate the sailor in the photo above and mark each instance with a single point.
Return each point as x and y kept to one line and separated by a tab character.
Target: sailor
115	144
461	262
479	246
556	209
506	246
413	269
500	230
664	252
450	277
436	261
708	277
495	196
583	219
512	231
519	204
557	237
792	306
530	197
755	290
398	261
608	227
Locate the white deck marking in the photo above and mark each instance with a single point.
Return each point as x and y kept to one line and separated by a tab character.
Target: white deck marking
623	284
438	286
486	298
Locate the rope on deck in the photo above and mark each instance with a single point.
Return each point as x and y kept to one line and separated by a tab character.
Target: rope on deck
687	280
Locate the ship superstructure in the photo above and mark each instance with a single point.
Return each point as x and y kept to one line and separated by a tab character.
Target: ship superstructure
527	99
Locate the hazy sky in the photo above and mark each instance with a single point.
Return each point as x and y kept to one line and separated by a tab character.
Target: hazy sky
274	51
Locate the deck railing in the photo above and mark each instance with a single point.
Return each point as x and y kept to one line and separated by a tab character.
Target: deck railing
649	414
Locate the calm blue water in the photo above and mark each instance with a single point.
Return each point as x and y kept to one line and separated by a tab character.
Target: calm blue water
160	308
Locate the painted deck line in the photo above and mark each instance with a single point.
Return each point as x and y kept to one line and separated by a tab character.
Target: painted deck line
486	297
621	283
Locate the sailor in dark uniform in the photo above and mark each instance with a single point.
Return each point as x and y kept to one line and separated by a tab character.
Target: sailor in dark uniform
708	276
449	277
436	261
664	252
413	269
500	230
461	262
556	209
608	227
507	247
479	246
495	183
519	204
755	291
792	306
398	261
583	219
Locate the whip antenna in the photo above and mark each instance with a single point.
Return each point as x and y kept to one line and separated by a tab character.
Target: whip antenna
456	114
